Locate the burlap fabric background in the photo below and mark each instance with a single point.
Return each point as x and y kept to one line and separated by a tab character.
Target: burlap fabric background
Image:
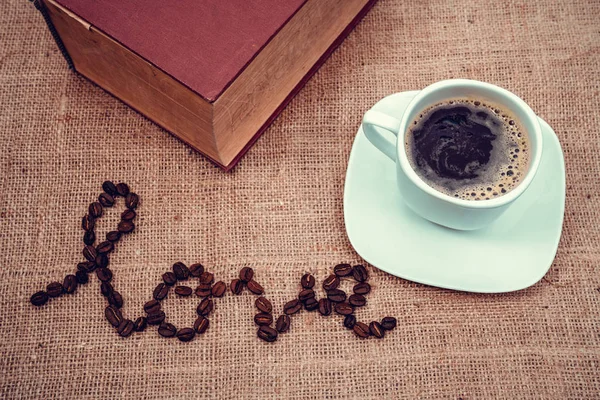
280	211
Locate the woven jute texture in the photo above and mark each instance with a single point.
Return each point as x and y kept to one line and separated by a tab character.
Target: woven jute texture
280	211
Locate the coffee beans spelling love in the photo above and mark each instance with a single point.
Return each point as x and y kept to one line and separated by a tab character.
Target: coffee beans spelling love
376	329
218	289
201	325
388	323
183	291
204	290
167	330
263	318
307	281
263	305
186	334
325	307
181	271
97	260
292	307
283	323
169	278
140	324
331	282
254	287
126	327
267	333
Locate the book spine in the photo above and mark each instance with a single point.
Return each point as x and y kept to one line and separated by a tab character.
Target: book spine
61	46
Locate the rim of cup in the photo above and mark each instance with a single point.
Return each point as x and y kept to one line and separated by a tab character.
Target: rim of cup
508	100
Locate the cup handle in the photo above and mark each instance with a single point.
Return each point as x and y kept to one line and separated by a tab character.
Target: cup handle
376	119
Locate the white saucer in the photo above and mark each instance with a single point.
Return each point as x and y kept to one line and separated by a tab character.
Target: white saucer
513	253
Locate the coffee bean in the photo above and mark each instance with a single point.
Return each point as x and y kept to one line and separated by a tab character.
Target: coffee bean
152	307
263	305
87	223
283	323
106	200
156	318
181	271
376	330
106	288
140	324
160	292
104	274
204	290
292	307
89	252
237	286
205	307
263	319
342	269
122	189
307	281
361	330
95	210
54	289
219	288
362	288
167	330
359	272
105	247
343	308
349	321
201	325
113	236
336	295
206	277
325	307
86	266
113	315
306	294
196	270
169	278
101	261
89	237
39	298
82	277
125	328
128	215
70	284
131	201
186	334
388	323
246	274
311	304
125	226
183	291
267	333
115	299
331	282
109	187
254	287
357	300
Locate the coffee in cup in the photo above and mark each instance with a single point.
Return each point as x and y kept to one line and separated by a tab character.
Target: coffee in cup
441	169
468	149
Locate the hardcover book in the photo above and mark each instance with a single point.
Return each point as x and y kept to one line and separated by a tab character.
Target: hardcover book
214	73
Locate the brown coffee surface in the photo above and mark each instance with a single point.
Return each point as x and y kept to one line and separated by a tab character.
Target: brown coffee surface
468	149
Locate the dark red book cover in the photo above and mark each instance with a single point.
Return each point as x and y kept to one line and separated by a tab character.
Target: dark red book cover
204	44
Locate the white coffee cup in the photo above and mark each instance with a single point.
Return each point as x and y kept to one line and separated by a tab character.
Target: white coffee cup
423	199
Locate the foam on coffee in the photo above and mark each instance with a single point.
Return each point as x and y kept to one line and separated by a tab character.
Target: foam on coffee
468	149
